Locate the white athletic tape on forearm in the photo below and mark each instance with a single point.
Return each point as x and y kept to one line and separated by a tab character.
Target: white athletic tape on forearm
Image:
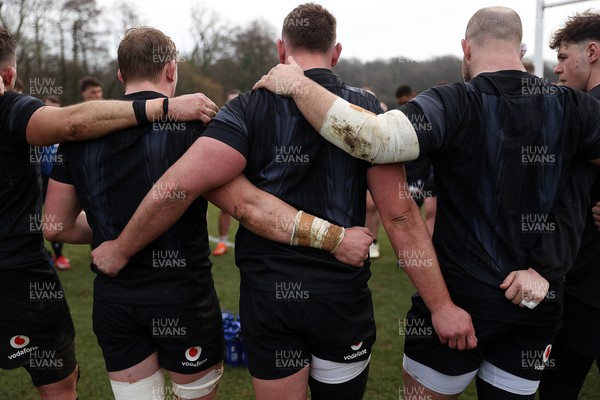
381	139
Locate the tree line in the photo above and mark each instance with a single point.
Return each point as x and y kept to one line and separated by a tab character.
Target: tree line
61	41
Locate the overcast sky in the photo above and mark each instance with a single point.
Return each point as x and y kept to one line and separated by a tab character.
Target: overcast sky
371	29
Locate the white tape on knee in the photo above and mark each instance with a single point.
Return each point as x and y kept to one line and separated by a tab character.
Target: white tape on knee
199	388
332	372
152	387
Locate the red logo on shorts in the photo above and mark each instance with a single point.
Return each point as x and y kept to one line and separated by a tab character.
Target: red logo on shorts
357	346
546	355
193	353
19	341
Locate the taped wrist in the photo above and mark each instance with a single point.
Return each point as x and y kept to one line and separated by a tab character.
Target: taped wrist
310	231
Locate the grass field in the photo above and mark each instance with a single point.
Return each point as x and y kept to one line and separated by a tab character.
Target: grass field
391	296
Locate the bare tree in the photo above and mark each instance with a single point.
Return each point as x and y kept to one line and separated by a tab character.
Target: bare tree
211	36
255	52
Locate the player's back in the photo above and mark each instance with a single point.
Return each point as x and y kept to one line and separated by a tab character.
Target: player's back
501	158
113	174
288	159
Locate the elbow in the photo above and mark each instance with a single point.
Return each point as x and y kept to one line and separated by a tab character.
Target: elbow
52	233
406	218
242	213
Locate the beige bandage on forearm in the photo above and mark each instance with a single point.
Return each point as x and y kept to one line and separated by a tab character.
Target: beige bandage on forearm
310	231
380	139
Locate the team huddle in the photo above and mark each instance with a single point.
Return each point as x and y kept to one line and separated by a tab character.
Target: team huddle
517	227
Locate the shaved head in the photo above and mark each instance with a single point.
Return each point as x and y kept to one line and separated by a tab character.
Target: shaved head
495	23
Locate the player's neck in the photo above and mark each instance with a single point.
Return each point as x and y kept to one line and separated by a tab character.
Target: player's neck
594	79
495	64
310	61
146	86
495	56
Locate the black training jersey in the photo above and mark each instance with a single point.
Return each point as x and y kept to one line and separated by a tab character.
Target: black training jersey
111	176
419	175
21	240
502	147
287	158
583	281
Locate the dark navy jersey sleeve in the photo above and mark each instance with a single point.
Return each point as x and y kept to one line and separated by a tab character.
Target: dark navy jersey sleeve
15	111
435	115
60	170
229	127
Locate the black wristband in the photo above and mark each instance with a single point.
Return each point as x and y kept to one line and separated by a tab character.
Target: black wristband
165	106
139	109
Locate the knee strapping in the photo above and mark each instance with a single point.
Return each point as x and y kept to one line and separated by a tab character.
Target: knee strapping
151	387
200	387
352	389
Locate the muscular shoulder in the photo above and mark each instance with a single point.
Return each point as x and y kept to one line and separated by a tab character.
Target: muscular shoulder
15	111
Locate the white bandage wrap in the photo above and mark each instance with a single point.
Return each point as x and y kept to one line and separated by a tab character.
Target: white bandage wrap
380	139
200	387
152	387
332	373
317	233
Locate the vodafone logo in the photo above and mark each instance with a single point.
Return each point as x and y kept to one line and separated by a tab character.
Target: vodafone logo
546	355
19	341
193	353
357	346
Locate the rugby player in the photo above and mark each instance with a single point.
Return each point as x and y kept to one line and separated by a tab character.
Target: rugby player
36	330
308	320
502	145
576	346
162	310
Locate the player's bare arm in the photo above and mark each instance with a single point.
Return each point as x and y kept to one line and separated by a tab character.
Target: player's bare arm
262	213
64	220
89	120
383	138
410	238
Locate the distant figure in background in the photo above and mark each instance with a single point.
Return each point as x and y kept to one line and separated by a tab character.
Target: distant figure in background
224	218
370	90
404	94
90	89
57	260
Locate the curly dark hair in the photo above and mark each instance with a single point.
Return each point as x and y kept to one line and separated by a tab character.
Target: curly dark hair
580	27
